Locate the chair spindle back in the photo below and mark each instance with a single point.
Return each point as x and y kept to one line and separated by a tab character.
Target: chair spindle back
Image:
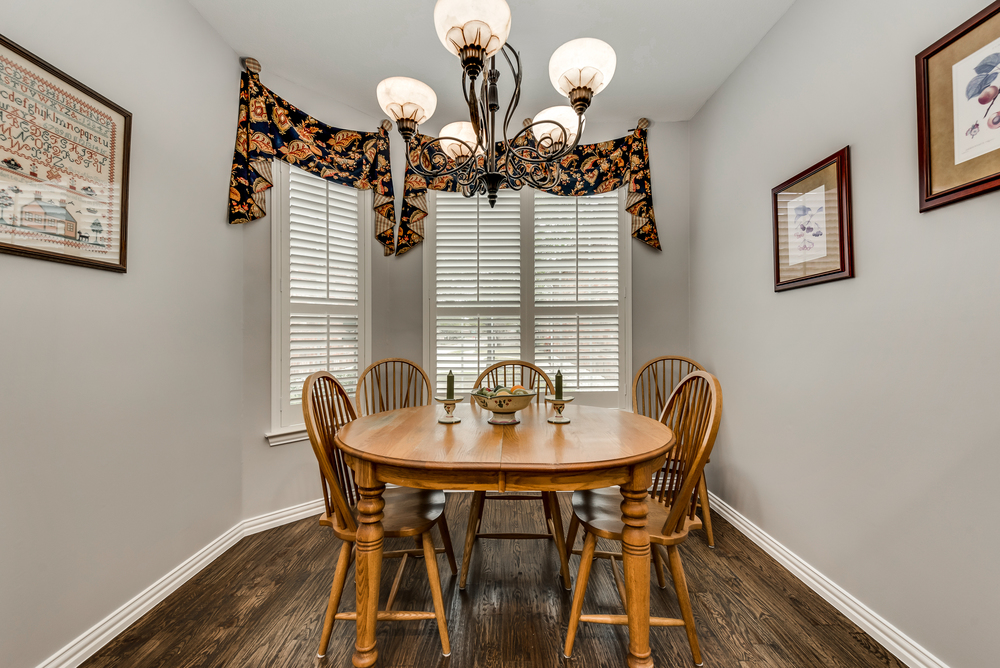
516	372
693	413
656	380
392	383
326	408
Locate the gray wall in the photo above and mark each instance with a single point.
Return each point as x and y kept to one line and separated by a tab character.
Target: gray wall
120	401
859	424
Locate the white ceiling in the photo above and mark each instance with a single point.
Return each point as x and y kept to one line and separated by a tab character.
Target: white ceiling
672	54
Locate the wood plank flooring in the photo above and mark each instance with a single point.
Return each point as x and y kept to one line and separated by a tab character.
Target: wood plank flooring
261	604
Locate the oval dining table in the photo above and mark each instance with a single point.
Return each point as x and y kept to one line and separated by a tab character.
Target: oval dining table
599	447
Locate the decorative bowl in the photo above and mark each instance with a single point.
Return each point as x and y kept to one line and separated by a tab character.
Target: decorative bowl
504	407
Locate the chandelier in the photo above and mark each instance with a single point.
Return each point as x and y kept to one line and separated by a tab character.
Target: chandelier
478	152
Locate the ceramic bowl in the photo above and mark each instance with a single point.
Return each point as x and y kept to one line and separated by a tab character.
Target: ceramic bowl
504	407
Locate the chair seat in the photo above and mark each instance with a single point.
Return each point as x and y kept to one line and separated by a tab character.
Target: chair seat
407	512
599	510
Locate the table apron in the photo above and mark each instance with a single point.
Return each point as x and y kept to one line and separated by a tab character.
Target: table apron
503	481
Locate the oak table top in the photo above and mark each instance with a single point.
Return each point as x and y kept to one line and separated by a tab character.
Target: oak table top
599	447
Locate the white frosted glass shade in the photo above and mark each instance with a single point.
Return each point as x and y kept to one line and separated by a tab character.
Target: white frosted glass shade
484	23
584	62
403	97
562	114
459	130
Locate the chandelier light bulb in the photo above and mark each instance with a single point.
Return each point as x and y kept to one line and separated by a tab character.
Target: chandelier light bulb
546	127
472	23
582	63
459	130
404	98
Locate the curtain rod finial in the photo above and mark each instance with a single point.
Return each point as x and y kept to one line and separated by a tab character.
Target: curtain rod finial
386	125
251	64
642	124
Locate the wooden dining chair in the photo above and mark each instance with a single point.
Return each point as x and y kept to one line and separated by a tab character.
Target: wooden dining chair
529	376
652	385
408	512
692	412
392	383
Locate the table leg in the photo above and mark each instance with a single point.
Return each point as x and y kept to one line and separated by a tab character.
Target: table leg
635	561
368	567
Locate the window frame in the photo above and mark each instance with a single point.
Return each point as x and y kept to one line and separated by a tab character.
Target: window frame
279	197
528	309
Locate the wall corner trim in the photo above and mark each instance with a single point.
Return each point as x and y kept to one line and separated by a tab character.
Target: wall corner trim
902	646
83	647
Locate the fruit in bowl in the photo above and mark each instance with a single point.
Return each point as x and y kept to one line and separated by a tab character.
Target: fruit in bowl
504	402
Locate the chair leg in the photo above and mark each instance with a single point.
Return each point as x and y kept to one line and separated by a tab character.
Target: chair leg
574	526
339	577
680	585
706	513
552	503
547	508
586	561
661	577
446	539
430	558
475	513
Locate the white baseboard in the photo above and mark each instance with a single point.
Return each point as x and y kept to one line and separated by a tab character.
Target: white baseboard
81	649
894	640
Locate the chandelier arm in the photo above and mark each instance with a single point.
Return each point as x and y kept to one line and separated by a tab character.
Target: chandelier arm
435	172
515	96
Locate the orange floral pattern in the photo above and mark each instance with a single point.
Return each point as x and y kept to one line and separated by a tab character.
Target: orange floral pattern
269	127
589	170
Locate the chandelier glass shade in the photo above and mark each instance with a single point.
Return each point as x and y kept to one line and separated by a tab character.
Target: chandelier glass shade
480	152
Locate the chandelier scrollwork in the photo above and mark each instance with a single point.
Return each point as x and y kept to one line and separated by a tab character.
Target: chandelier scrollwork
479	153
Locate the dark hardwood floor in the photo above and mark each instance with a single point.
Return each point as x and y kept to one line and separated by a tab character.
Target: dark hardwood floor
261	604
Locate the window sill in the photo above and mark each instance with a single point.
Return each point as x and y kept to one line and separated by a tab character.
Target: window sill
287	435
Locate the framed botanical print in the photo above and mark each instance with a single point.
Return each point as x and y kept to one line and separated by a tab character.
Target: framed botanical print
64	159
958	112
812	225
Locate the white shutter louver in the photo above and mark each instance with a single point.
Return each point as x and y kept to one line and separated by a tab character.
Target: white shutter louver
323	289
584	347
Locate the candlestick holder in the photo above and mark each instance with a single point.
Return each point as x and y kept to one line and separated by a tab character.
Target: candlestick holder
559	405
449	408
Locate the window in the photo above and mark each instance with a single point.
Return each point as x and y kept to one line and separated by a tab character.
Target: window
541	278
321	306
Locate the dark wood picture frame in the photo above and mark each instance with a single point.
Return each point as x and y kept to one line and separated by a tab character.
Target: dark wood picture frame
933	118
824	271
121	181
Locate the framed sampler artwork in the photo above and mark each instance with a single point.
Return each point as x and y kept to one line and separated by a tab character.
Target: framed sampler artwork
958	112
64	160
812	225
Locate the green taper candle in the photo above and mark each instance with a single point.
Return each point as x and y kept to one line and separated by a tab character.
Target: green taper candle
558	385
451	385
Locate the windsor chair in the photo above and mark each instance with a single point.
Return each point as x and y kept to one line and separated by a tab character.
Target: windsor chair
407	512
692	412
392	383
531	377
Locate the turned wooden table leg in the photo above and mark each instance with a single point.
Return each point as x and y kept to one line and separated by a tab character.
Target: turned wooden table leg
635	561
368	567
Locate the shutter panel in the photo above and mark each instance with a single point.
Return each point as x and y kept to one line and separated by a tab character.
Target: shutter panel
478	285
323	289
576	249
584	347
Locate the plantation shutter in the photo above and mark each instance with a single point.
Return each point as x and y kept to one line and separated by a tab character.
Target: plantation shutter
577	328
322	290
477	285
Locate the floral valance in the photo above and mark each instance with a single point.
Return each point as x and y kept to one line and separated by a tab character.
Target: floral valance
589	170
270	127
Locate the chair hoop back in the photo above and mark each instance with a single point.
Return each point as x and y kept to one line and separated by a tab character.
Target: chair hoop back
655	381
392	383
516	372
326	408
693	413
